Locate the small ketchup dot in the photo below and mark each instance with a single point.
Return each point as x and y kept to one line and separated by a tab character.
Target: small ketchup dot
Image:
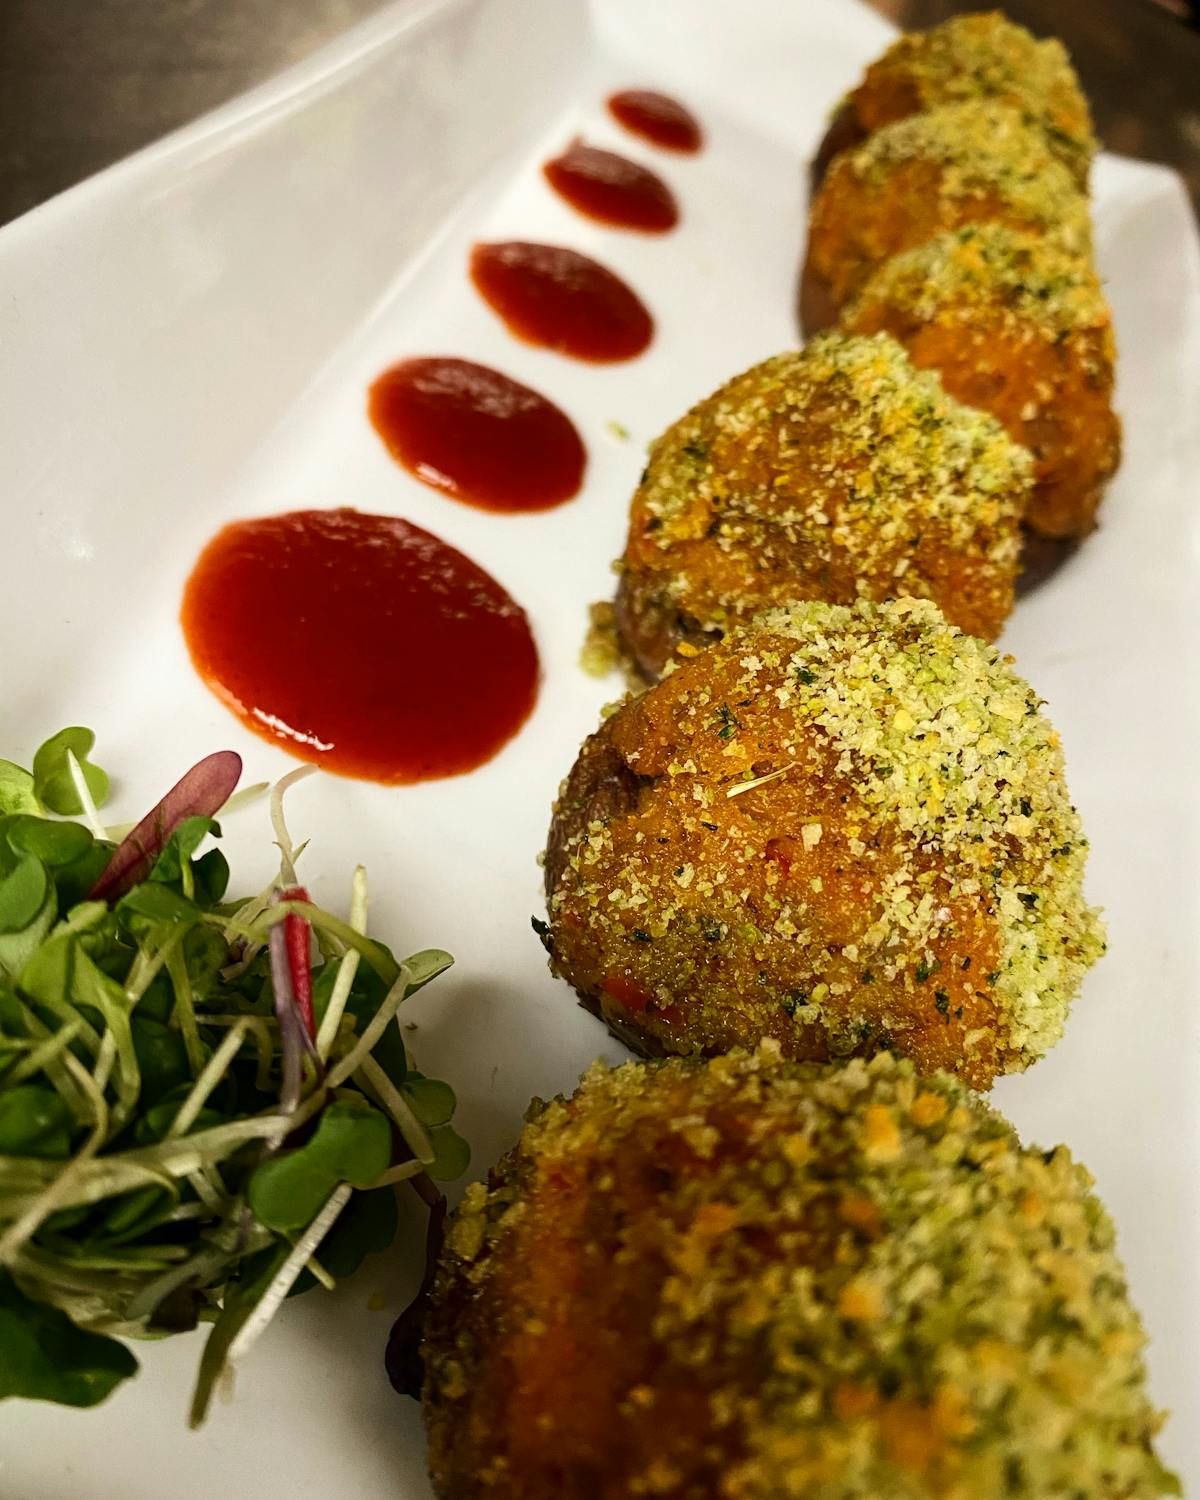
473	433
657	118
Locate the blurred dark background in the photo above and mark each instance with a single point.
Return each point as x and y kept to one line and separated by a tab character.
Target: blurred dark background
85	82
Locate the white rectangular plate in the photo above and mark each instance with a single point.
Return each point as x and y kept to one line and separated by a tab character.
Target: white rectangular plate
188	338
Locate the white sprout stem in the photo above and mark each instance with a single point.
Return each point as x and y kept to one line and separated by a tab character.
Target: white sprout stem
400	1110
184	1011
213	1201
347	1066
334	1011
242	798
260	1029
42	1054
83	792
401	1173
211	1075
285	1278
318	1271
28	1224
146	970
104	1061
109	1175
287	851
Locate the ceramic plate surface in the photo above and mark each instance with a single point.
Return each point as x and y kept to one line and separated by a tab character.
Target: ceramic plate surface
189	337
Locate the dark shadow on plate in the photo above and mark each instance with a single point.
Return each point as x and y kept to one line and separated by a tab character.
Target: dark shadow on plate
1041	558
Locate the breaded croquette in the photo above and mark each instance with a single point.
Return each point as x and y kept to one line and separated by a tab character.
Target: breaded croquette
971	57
1019	328
836	472
846	829
961	164
754	1280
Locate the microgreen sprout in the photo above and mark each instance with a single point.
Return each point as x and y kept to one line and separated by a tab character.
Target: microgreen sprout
196	1095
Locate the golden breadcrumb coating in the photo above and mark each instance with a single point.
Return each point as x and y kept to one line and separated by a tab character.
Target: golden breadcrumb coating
1019	328
754	1280
835	472
979	57
957	165
844	828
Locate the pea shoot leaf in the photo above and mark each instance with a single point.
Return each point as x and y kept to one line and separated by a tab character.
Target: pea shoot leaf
451	1154
22	893
16	790
52	780
44	1357
352	1143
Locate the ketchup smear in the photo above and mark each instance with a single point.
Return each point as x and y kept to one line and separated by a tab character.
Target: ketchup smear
612	189
360	643
561	300
657	118
477	435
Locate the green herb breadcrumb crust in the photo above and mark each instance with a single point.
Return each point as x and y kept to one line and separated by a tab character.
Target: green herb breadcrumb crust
755	1280
1036	282
986	56
858	810
832	472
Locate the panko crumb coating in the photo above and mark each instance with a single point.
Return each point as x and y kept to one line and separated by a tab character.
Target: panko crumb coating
835	472
969	58
847	829
961	164
754	1280
1019	328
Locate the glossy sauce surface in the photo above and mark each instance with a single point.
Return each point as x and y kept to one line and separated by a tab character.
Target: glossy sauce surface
612	189
561	300
475	434
657	118
361	643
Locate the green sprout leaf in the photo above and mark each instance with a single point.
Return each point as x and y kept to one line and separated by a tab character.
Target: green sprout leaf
432	1101
53	843
17	794
352	1143
22	932
34	1121
150	910
22	894
52	780
451	1154
44	1357
204	879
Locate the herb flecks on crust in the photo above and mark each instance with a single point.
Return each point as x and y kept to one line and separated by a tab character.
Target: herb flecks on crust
846	828
981	57
848	1281
836	472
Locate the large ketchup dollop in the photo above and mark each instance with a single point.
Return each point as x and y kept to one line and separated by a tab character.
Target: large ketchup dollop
361	643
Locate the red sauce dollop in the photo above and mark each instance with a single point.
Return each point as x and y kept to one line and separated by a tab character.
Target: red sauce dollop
477	435
657	118
561	300
360	643
612	189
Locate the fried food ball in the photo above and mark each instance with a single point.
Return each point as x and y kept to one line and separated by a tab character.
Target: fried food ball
834	472
961	164
968	58
755	1280
846	829
1019	328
